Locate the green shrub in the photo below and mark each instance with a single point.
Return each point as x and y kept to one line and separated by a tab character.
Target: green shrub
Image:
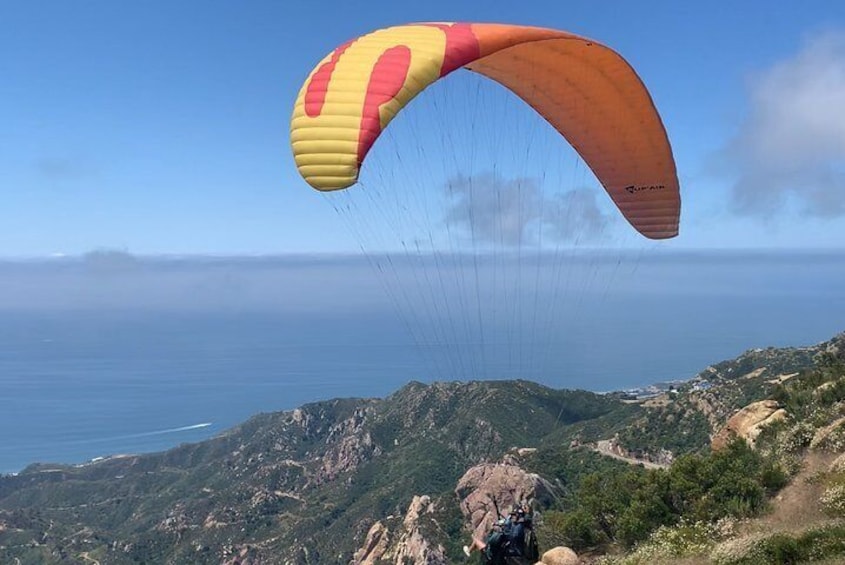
823	543
580	530
814	545
627	506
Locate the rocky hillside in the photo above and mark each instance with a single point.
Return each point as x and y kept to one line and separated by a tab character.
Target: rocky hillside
789	440
408	478
700	407
306	486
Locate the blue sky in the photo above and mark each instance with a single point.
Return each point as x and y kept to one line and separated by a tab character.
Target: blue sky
162	127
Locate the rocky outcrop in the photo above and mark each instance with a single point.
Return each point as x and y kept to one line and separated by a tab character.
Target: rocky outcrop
506	484
516	455
748	423
240	556
405	544
350	445
375	546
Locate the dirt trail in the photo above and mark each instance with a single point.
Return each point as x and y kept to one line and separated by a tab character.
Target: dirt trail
84	555
607	447
797	506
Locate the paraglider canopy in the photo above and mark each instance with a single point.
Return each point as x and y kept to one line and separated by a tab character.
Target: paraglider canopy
585	90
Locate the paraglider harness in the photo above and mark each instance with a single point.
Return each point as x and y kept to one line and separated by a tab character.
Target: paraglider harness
512	541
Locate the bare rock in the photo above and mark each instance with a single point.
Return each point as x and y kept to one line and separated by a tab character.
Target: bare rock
406	544
240	555
507	484
375	546
516	455
348	446
560	556
748	423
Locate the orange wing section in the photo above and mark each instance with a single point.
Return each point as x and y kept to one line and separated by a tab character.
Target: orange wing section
593	97
585	90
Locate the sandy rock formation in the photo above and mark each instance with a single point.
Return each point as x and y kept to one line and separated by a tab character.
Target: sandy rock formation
508	484
748	423
560	556
375	546
406	544
349	446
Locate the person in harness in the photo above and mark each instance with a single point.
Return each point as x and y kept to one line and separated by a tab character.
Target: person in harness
510	542
492	547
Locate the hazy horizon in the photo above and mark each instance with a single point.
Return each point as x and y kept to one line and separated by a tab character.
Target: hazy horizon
118	353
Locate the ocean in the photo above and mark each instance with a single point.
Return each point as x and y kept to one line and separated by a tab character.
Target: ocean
138	355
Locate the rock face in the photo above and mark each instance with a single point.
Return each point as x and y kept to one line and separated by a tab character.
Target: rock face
748	423
506	483
350	445
406	543
401	540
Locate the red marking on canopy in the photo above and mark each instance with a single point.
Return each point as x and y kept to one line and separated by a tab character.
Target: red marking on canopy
318	86
461	46
387	79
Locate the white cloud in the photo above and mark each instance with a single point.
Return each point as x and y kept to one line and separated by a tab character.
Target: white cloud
791	149
63	169
516	211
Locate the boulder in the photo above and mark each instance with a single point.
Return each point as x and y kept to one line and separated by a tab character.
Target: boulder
560	556
506	484
748	423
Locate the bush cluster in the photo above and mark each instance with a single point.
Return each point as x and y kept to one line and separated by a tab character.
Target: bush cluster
813	545
628	506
